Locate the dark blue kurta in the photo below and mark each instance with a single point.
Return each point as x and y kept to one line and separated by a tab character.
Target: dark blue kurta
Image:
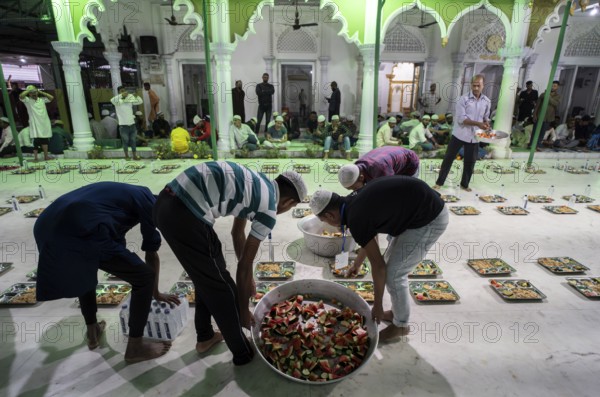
85	227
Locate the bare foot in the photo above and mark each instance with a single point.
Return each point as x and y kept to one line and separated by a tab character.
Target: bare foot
392	332
94	332
388	316
139	349
203	347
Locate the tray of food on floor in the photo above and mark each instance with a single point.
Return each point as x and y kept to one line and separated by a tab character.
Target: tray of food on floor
262	287
127	170
24	199
161	170
23	171
301	212
332	168
449	198
492	198
532	198
577	171
269	168
490	267
184	288
170	166
365	289
99	166
433	291
588	287
516	290
137	166
579	198
275	270
5	266
6	167
5	210
19	294
534	170
560	209
89	171
465	210
594	207
502	170
57	171
513	210
69	166
34	213
426	268
302	168
111	294
341	272
562	265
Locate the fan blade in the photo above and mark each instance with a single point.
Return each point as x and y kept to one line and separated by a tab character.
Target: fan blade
426	25
309	24
170	21
556	27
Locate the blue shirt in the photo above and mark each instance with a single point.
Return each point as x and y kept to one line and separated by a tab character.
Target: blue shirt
85	227
469	107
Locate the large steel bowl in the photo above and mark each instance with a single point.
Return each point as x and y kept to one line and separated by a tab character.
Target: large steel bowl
320	289
497	136
326	246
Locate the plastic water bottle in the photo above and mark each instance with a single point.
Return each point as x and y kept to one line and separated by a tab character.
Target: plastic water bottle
122	163
169	324
573	199
124	316
557	164
525	201
566	166
502	190
550	190
476	198
24	164
157	323
597	166
588	190
457	191
512	162
15	204
42	192
523	165
587	163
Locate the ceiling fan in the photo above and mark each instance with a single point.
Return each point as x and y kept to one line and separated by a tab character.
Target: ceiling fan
297	25
173	21
423	24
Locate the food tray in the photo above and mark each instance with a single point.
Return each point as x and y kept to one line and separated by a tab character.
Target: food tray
490	136
341	273
5	167
137	166
532	170
539	199
594	207
332	168
560	209
579	198
127	170
5	210
57	171
35	213
87	171
23	171
577	171
19	294
301	212
5	266
24	199
490	267
562	265
449	198
588	287
477	171
161	171
170	166
99	167
185	288
69	166
365	289
513	210
275	270
433	291
111	294
302	168
425	268
516	290
492	198
269	168
467	210
32	275
500	170
262	287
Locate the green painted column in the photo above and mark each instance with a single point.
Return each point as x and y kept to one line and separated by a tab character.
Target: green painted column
213	133
11	117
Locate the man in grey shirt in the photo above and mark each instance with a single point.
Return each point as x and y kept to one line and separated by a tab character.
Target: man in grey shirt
472	113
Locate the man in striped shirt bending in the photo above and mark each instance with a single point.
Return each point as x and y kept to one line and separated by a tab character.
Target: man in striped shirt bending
185	213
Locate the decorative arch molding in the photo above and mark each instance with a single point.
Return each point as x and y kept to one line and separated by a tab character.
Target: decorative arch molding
191	16
256	16
586	44
338	16
185	43
551	19
89	16
417	3
485	4
297	41
401	38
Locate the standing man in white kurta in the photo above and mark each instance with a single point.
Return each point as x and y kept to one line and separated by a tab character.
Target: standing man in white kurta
39	123
124	103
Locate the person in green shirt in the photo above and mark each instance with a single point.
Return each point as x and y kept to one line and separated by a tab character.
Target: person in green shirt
61	139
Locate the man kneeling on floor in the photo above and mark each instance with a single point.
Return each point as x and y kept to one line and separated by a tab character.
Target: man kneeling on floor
83	231
414	217
185	213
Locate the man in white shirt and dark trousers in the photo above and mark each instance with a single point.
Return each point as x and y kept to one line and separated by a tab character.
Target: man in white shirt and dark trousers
39	122
124	103
472	113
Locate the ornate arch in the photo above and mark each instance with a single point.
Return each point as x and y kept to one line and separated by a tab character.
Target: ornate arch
338	16
185	43
417	3
485	4
89	16
296	41
551	19
401	38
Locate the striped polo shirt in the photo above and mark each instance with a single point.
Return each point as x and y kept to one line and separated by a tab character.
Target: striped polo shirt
220	188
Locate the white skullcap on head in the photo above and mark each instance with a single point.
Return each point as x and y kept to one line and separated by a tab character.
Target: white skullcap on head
350	118
321	119
319	201
105	112
196	119
275	114
284	114
426	117
237	117
335	117
138	113
392	120
278	118
4	119
298	183
254	119
435	117
348	175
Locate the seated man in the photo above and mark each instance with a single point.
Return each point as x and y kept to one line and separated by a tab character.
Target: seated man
98	130
276	136
83	231
338	137
594	142
161	127
420	136
180	138
438	131
202	130
251	123
352	129
384	134
292	125
241	136
583	132
61	140
311	123
320	132
7	142
520	137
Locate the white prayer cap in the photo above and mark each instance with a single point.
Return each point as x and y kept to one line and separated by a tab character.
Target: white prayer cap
296	180
4	119
392	120
348	175
279	118
426	117
435	117
319	201
321	119
254	119
105	112
284	114
237	117
196	119
335	117
138	113
275	114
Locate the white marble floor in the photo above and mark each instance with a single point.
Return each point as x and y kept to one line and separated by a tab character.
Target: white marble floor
478	346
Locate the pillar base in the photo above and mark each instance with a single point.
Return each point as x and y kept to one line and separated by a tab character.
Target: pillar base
501	150
83	144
